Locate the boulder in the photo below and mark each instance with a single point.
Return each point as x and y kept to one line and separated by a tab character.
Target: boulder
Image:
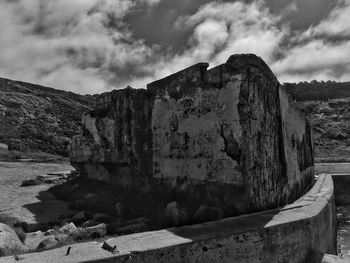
48	243
69	228
62	238
93	231
9	241
174	215
33	239
50	232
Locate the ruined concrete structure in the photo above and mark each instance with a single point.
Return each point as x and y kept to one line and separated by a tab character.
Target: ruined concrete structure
228	137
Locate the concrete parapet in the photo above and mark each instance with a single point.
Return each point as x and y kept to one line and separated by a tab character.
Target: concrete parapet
300	232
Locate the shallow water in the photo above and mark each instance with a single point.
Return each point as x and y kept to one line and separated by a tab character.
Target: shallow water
343	238
342	208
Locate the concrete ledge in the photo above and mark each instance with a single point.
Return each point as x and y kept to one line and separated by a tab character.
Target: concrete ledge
333	259
301	232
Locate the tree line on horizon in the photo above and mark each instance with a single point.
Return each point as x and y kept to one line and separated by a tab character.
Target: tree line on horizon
318	90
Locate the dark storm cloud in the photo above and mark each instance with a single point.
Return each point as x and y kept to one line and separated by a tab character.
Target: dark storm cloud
96	45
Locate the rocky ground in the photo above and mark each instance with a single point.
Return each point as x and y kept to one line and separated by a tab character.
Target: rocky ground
327	107
331	127
45	205
33	205
28	208
39	119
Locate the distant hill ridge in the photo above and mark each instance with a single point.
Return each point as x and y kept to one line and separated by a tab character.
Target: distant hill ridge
327	106
318	90
38	118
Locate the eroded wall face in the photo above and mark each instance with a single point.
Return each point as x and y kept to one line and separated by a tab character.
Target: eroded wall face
297	147
228	138
116	136
189	135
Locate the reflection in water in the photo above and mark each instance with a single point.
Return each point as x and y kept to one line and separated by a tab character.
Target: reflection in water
343	239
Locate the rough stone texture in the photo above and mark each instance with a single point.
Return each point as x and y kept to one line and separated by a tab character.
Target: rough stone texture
228	137
9	241
68	228
301	232
93	231
48	242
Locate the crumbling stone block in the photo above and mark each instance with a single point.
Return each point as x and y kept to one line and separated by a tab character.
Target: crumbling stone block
228	137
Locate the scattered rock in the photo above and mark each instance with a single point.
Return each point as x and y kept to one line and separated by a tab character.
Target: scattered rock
48	243
62	238
50	232
68	229
109	247
174	215
9	241
33	239
93	231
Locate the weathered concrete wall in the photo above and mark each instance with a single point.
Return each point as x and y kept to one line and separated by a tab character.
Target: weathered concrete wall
300	232
227	137
298	145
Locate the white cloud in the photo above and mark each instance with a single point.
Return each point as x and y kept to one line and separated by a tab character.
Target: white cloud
315	54
52	42
335	25
85	45
315	59
208	37
223	29
251	28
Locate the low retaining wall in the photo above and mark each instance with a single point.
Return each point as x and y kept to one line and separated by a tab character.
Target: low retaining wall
300	232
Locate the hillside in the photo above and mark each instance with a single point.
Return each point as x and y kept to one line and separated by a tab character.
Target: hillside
39	119
327	106
318	90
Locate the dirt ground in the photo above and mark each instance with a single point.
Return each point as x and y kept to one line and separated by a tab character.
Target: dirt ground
29	204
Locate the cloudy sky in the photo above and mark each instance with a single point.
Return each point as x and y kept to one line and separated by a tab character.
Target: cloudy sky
91	46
